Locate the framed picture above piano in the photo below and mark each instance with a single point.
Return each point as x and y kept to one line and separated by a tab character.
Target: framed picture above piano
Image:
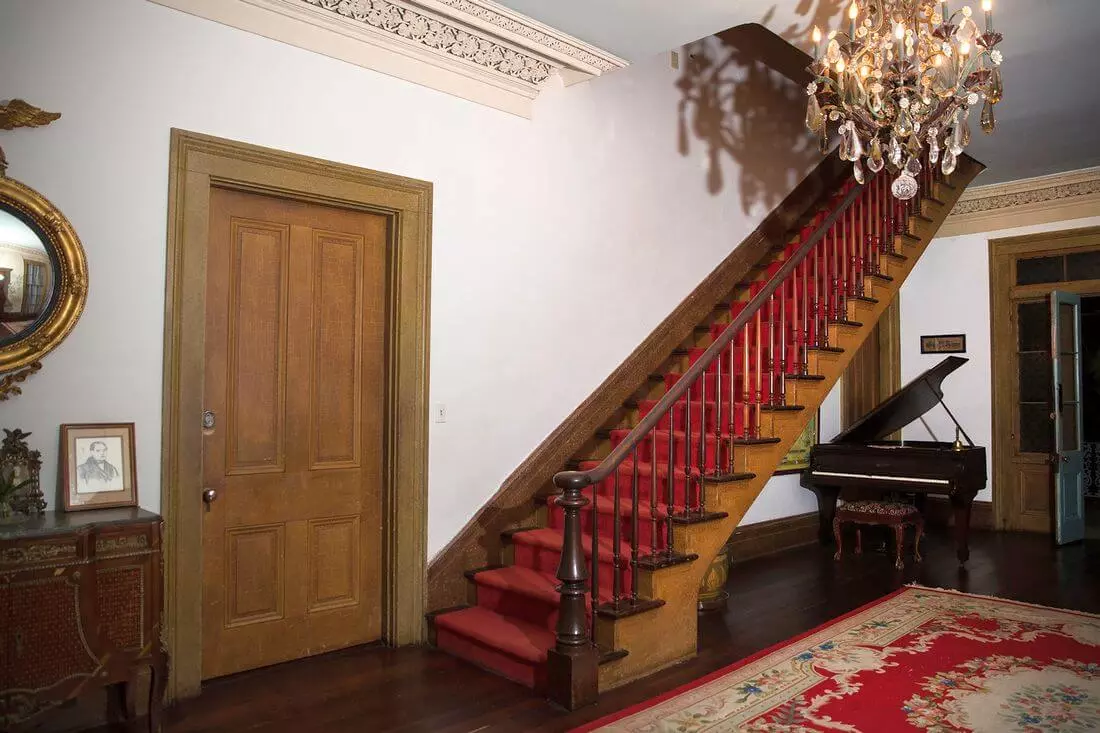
946	343
798	457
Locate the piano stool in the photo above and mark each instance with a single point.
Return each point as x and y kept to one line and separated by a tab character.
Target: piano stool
891	513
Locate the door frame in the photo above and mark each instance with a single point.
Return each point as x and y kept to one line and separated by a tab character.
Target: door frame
1003	291
196	163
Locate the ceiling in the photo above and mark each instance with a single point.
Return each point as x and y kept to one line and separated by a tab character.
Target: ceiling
1045	123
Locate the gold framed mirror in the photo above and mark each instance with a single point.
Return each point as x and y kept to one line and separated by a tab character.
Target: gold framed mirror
43	280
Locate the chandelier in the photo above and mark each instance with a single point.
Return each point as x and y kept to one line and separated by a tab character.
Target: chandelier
904	77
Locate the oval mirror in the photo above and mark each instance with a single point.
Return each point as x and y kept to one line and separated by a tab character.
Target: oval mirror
43	276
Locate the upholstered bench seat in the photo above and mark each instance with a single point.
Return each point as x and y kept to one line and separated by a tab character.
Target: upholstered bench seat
889	513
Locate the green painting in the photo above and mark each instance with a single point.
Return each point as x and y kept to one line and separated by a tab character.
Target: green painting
798	457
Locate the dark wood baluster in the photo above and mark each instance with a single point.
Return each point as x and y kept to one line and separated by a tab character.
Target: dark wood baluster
782	382
827	257
634	504
746	394
595	593
818	273
759	374
654	529
719	413
616	543
771	349
807	307
702	439
671	476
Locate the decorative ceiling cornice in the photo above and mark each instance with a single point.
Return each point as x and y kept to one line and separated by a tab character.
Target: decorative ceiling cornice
1040	200
475	49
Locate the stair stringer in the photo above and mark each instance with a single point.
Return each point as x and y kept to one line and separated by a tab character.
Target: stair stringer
667	635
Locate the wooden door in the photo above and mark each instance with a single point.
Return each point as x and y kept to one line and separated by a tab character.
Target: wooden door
1068	458
295	381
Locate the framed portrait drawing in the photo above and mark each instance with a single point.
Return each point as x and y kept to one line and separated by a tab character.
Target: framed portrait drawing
798	457
97	466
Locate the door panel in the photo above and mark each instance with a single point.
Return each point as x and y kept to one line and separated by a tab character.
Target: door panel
295	373
1069	493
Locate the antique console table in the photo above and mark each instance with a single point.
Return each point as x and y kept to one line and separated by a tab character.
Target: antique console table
80	608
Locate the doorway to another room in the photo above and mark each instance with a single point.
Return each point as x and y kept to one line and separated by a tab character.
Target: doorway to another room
1046	382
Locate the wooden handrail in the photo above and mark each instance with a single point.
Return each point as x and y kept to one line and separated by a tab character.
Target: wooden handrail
576	480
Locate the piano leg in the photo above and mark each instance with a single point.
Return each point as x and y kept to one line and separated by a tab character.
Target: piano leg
826	511
962	528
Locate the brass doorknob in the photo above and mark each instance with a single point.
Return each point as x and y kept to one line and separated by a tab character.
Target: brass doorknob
209	495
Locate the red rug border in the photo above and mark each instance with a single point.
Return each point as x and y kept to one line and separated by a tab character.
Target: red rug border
688	686
711	676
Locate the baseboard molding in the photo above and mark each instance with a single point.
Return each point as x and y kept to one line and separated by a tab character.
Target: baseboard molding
775	535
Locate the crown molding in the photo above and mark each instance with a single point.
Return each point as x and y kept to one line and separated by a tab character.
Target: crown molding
1028	201
474	49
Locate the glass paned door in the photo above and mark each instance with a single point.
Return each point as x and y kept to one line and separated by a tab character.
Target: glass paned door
1065	347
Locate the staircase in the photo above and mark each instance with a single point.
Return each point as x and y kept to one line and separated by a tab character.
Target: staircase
644	510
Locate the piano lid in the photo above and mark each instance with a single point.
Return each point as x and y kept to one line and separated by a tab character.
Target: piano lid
902	407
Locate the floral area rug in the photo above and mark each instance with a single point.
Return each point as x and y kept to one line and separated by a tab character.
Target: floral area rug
919	659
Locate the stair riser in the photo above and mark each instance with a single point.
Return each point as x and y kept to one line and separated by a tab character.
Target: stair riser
494	660
546	560
508	603
626	525
648	452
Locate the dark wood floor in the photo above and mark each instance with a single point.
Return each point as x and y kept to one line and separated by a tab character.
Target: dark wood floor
772	599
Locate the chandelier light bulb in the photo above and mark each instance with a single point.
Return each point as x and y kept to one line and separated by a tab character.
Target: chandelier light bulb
964	48
899	31
840	66
853	10
816	35
987	5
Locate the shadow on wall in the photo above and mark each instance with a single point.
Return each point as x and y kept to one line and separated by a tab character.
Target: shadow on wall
740	107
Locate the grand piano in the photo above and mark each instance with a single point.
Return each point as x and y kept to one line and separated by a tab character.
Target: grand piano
860	458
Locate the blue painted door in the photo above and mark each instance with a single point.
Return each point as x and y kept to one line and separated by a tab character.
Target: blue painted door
1069	485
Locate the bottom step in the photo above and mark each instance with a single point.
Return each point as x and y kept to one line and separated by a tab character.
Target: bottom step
502	644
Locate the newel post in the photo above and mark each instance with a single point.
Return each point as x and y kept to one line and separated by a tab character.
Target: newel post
572	666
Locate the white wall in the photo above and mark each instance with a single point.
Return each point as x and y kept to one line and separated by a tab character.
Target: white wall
586	226
948	292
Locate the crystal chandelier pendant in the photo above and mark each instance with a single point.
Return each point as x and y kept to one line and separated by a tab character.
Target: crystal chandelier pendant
815	118
904	125
904	186
933	146
950	160
988	121
996	88
847	145
823	141
857	172
894	152
875	160
912	166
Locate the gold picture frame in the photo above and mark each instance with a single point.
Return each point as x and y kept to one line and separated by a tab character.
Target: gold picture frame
97	466
798	457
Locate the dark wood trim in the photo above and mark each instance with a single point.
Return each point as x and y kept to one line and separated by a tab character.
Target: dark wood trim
478	543
765	538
